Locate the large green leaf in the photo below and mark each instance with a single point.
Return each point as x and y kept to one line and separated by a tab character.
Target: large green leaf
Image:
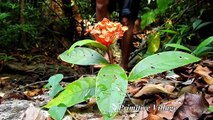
83	56
57	112
111	87
202	46
161	62
87	42
76	92
163	4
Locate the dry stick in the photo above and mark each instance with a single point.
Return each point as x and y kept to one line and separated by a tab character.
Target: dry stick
44	81
28	85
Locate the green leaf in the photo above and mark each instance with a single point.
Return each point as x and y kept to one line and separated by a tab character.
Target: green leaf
202	46
163	4
147	19
205	51
161	62
3	16
178	46
196	23
211	108
111	87
55	79
83	56
76	92
169	31
54	82
153	43
203	24
57	112
87	42
55	90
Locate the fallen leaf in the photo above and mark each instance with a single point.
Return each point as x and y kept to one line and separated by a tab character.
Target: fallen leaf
133	89
185	72
152	89
33	93
34	113
209	99
172	76
193	107
188	89
142	115
207	116
168	109
208	63
137	101
169	88
188	82
210	88
204	73
154	117
15	95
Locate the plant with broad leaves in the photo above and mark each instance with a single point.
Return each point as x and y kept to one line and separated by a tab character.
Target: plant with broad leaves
109	87
203	48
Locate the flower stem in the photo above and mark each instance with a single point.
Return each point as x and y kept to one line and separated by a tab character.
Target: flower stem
110	55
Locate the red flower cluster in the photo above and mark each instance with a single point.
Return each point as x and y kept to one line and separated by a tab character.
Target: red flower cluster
107	32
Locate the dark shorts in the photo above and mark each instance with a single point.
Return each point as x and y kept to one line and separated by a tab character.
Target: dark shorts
127	8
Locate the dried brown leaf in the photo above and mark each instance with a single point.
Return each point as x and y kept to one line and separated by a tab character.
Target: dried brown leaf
152	89
34	113
188	89
133	89
168	109
142	115
34	92
204	72
209	99
154	117
193	107
210	88
208	63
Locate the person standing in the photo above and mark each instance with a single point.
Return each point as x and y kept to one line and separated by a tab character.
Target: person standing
128	13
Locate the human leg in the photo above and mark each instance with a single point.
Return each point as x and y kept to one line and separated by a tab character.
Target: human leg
102	9
128	14
126	42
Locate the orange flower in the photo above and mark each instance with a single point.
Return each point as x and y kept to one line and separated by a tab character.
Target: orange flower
107	32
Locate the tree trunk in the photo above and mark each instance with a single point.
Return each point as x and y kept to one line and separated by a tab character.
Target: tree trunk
70	33
22	21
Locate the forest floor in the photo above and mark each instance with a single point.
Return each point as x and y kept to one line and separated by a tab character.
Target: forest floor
184	93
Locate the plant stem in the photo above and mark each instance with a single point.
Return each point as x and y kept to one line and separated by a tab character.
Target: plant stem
110	55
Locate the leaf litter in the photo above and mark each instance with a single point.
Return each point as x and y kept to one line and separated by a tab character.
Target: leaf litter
184	94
